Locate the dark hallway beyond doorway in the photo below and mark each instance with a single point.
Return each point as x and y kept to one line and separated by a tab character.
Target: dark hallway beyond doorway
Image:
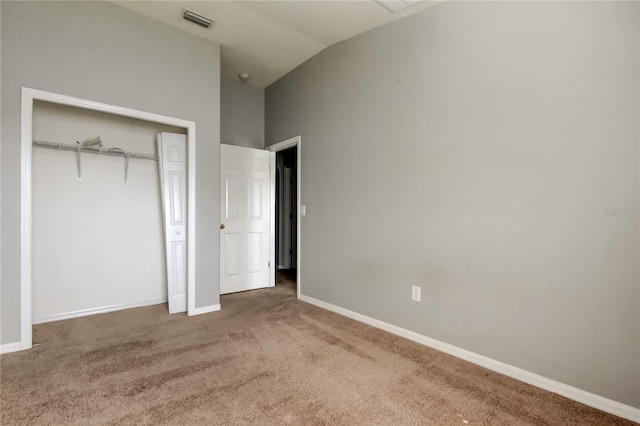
286	278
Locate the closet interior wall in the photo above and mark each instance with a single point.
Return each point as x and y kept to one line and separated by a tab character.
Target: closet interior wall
98	241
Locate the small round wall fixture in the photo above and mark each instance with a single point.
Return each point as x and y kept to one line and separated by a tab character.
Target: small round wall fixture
243	76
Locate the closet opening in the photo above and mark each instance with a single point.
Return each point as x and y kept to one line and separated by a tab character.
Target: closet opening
92	236
98	233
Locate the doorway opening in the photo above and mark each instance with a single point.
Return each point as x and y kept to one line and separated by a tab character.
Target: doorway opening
286	211
286	217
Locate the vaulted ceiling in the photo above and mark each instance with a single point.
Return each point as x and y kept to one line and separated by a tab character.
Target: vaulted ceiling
267	39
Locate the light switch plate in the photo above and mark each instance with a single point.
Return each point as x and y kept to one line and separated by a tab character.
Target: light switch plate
416	293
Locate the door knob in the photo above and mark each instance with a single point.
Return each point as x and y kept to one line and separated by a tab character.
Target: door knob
222	226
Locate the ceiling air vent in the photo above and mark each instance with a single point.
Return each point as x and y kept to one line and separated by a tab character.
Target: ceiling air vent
196	18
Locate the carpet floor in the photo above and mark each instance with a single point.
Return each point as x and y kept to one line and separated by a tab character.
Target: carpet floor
266	359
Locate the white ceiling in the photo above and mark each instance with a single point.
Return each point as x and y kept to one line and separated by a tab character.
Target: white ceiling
268	39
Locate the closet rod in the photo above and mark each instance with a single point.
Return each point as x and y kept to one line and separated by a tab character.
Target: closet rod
102	151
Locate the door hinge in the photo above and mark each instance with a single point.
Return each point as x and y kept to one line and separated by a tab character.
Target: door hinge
268	264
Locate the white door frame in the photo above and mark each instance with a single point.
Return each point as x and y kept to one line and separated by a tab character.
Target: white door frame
28	97
281	146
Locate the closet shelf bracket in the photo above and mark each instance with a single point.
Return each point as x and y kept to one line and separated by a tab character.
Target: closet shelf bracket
79	161
126	168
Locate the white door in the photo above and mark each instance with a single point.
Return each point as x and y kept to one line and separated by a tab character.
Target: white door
245	187
172	153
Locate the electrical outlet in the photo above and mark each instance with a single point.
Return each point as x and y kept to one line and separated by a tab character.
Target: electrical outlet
415	293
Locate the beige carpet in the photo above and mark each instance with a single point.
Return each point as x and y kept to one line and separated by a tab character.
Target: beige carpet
265	359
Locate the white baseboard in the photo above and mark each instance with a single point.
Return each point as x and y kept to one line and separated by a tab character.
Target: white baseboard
10	347
96	311
584	397
205	310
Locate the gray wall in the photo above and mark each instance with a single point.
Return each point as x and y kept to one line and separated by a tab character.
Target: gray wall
241	113
98	51
475	150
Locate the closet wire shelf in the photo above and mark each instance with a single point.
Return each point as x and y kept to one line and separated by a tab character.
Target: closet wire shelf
79	149
116	152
